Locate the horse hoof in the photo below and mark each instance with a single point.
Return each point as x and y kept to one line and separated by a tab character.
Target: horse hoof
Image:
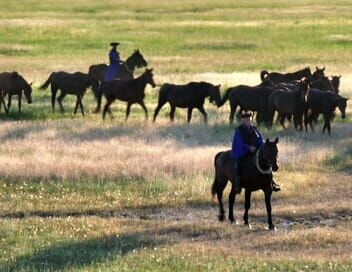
249	226
273	228
221	217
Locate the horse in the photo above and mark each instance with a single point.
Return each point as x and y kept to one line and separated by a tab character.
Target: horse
130	91
190	96
69	83
276	77
288	103
248	98
125	69
323	102
255	171
12	83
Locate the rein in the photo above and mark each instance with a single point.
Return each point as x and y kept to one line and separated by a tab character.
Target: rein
256	162
127	68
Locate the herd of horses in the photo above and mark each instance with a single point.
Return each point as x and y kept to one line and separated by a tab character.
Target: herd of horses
300	96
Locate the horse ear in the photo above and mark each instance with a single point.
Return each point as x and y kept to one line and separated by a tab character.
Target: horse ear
276	140
31	83
218	86
323	69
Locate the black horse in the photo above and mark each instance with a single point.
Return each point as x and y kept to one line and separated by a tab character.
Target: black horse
288	103
131	91
125	69
13	84
248	98
191	95
75	84
256	174
276	77
323	102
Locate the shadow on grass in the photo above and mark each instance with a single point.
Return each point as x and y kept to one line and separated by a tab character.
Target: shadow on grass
78	254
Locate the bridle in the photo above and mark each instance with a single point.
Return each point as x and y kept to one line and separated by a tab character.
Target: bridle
257	164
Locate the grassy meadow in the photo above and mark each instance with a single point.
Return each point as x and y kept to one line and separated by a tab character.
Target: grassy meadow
80	194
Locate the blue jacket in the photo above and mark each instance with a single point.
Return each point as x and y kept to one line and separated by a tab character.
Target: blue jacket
112	70
239	146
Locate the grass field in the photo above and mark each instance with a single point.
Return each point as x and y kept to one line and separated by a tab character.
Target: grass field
80	194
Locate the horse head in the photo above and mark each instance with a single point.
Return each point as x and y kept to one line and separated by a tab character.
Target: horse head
304	89
28	92
148	75
215	97
318	73
335	82
341	103
137	59
269	154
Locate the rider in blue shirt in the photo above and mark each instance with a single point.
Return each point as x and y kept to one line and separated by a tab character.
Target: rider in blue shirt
114	58
246	139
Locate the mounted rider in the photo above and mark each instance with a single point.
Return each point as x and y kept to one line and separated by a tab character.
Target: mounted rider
246	139
114	58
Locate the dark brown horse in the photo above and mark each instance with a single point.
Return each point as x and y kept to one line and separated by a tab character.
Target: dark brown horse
131	91
276	77
255	173
13	84
75	84
125	69
325	103
190	96
288	103
248	98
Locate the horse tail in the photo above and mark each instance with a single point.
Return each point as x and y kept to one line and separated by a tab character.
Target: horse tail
215	186
264	75
226	96
98	95
47	82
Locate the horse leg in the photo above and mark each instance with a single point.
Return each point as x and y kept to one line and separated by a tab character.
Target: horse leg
81	105
201	109
128	109
282	121
231	203
76	107
221	182
267	194
232	112
9	103
145	109
59	100
172	113
107	108
247	205
189	114
161	103
53	97
19	103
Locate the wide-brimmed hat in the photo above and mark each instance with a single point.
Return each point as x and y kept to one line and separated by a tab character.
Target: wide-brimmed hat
114	43
246	114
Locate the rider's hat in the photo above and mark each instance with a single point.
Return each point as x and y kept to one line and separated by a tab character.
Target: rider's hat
114	43
246	114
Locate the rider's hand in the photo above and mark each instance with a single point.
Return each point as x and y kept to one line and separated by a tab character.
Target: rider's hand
252	148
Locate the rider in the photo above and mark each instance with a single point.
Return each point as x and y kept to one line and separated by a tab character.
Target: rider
114	57
246	139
